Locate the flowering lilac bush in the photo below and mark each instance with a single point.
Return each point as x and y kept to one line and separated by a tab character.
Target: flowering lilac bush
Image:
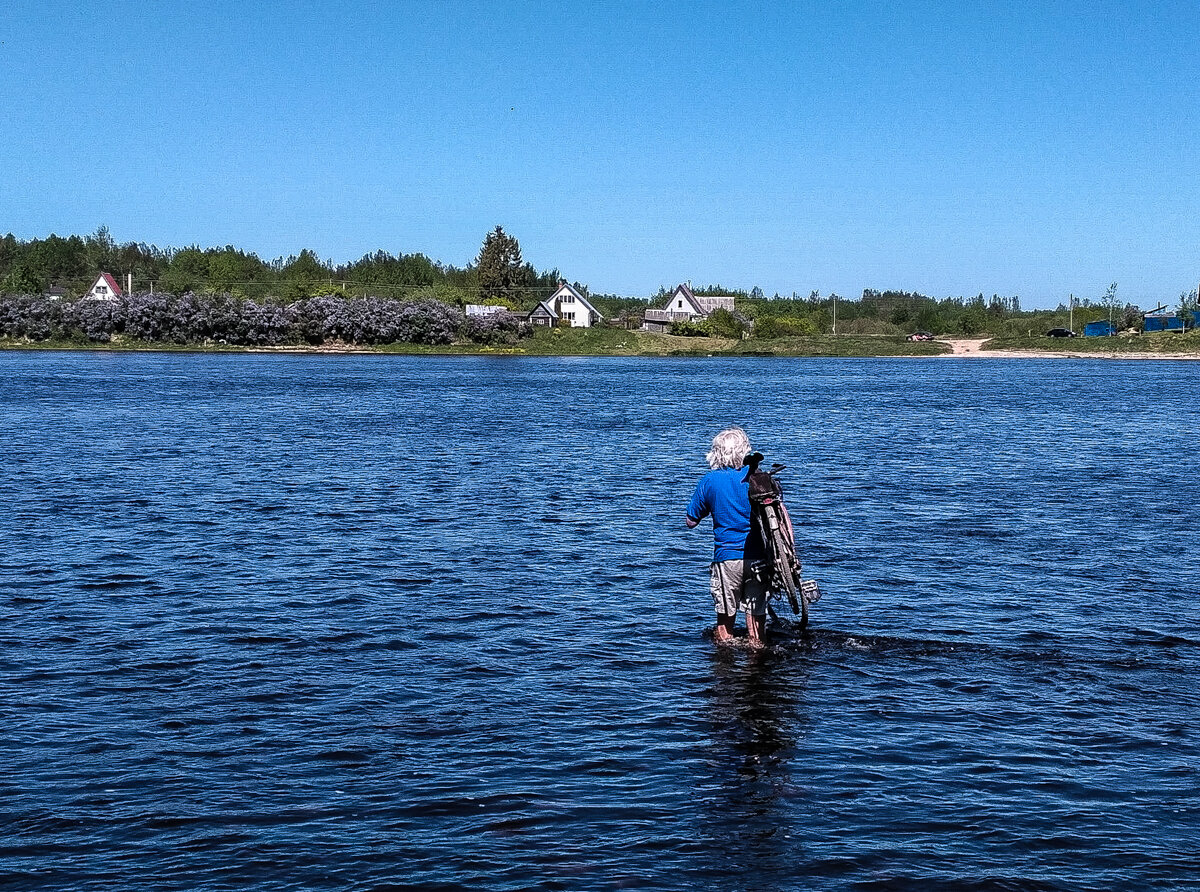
498	328
263	325
316	319
428	322
371	320
223	319
30	316
146	317
375	321
95	319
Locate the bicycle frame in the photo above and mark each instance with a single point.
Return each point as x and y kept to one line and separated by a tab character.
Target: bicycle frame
774	528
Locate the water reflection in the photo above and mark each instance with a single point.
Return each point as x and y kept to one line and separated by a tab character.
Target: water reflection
756	715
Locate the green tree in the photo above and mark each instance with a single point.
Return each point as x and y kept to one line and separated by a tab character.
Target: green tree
1112	304
972	322
20	279
928	319
223	271
501	270
1131	317
687	329
57	259
303	275
767	327
1189	303
10	250
187	271
723	324
101	251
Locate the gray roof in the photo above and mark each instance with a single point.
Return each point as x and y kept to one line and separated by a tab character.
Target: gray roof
545	308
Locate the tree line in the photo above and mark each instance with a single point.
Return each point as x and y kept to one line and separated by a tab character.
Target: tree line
904	312
498	274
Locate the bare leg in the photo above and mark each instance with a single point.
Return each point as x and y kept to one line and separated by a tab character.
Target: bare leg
724	630
755	627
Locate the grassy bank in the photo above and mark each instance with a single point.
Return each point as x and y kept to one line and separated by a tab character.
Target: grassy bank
116	345
1164	343
842	345
616	342
558	342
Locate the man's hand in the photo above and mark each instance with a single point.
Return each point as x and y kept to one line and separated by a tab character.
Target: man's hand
692	524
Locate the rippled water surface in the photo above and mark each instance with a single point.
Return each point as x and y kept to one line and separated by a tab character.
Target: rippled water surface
299	622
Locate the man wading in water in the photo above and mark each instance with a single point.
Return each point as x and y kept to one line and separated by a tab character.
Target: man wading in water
724	493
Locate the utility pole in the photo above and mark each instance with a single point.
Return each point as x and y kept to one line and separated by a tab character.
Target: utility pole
835	314
1071	313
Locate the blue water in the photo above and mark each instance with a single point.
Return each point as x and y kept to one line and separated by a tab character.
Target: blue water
300	622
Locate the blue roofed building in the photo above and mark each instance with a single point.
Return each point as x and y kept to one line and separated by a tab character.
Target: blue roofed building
1159	319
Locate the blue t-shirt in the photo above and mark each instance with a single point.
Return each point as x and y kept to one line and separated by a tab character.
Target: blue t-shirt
725	495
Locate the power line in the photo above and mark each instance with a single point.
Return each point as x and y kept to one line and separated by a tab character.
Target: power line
346	283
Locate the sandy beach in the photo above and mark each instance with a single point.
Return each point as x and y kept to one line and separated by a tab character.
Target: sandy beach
972	347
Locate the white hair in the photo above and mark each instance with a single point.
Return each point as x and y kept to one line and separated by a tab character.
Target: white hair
729	449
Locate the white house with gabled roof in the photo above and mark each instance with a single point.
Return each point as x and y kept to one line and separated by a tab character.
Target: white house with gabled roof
104	288
685	306
572	308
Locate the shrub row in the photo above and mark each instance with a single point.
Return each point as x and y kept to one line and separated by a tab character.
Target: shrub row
223	319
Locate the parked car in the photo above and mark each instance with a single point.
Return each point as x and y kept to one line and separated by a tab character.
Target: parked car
920	336
1060	333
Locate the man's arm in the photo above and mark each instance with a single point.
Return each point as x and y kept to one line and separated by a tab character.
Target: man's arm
697	508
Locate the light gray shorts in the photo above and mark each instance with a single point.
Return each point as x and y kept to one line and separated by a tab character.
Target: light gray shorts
734	589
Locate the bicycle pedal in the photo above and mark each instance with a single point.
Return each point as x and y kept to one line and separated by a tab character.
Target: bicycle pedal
810	591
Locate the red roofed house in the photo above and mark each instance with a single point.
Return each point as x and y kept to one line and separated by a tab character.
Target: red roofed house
105	288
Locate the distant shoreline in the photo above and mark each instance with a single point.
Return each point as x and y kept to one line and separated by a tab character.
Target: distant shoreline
620	343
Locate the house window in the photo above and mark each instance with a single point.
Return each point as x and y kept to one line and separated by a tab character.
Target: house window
570	317
102	289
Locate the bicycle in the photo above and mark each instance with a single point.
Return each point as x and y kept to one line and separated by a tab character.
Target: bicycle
769	518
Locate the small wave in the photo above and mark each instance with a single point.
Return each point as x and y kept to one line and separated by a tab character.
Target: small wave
260	640
116	581
346	757
391	644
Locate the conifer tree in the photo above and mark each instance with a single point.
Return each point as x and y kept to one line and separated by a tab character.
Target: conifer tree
499	266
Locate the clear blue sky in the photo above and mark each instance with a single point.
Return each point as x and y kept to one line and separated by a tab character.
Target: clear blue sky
1016	148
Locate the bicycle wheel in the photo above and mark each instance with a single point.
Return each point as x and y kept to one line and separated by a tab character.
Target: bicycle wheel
803	614
784	561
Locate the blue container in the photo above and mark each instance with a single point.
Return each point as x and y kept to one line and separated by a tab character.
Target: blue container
1099	330
1163	323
